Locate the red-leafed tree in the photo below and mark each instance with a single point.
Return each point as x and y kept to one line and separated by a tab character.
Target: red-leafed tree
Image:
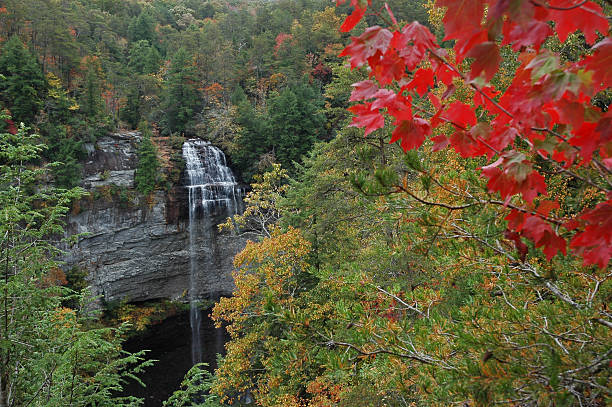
539	125
471	266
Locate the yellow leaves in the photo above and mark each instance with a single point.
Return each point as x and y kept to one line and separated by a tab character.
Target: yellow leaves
436	14
64	317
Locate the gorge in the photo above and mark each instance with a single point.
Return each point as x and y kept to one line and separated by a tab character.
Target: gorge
164	247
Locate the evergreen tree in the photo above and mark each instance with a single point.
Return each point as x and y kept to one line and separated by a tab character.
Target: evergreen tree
48	355
56	128
23	86
130	113
142	28
181	96
148	165
91	92
296	122
144	58
252	137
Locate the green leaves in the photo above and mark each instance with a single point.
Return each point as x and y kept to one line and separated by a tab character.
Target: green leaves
41	337
147	172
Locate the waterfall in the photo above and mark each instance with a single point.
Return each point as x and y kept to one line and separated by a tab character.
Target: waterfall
213	191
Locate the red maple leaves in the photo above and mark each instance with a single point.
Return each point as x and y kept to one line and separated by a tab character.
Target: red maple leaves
544	114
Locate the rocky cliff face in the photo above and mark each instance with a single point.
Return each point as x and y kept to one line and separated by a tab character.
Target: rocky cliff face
135	248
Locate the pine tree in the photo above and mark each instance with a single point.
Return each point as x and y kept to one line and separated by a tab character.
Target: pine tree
130	113
91	92
296	123
144	58
148	165
142	28
48	354
64	147
181	96
23	86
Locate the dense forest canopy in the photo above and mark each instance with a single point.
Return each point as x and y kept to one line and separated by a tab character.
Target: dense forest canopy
77	69
430	210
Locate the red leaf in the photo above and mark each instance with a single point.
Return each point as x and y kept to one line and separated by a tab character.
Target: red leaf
374	39
440	143
588	18
388	99
461	114
546	206
515	176
465	144
587	139
521	247
363	90
351	21
600	63
461	15
570	112
393	20
480	100
422	80
411	133
486	59
500	138
594	243
386	67
533	33
538	231
366	117
469	40
420	36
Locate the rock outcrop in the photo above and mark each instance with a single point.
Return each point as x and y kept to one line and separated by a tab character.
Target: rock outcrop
137	248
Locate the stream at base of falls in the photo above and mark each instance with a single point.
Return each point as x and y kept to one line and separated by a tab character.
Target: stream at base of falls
169	342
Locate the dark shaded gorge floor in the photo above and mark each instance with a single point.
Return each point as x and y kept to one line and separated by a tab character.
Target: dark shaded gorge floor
169	342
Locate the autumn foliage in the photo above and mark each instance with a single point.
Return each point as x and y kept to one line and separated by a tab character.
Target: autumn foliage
541	123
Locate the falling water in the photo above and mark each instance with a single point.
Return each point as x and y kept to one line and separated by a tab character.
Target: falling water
212	191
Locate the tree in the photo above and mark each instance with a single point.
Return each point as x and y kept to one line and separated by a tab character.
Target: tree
453	281
142	28
90	99
147	175
296	122
252	137
50	355
536	133
63	146
262	204
130	112
23	86
194	388
543	94
181	97
144	58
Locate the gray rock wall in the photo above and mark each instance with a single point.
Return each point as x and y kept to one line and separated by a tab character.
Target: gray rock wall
139	250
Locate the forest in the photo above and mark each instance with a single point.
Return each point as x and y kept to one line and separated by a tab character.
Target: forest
428	200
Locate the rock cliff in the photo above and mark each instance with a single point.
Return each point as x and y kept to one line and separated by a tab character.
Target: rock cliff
135	248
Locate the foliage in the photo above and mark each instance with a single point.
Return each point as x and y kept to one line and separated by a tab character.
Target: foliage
262	211
23	84
50	354
453	281
555	93
270	278
147	172
296	123
181	97
194	390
